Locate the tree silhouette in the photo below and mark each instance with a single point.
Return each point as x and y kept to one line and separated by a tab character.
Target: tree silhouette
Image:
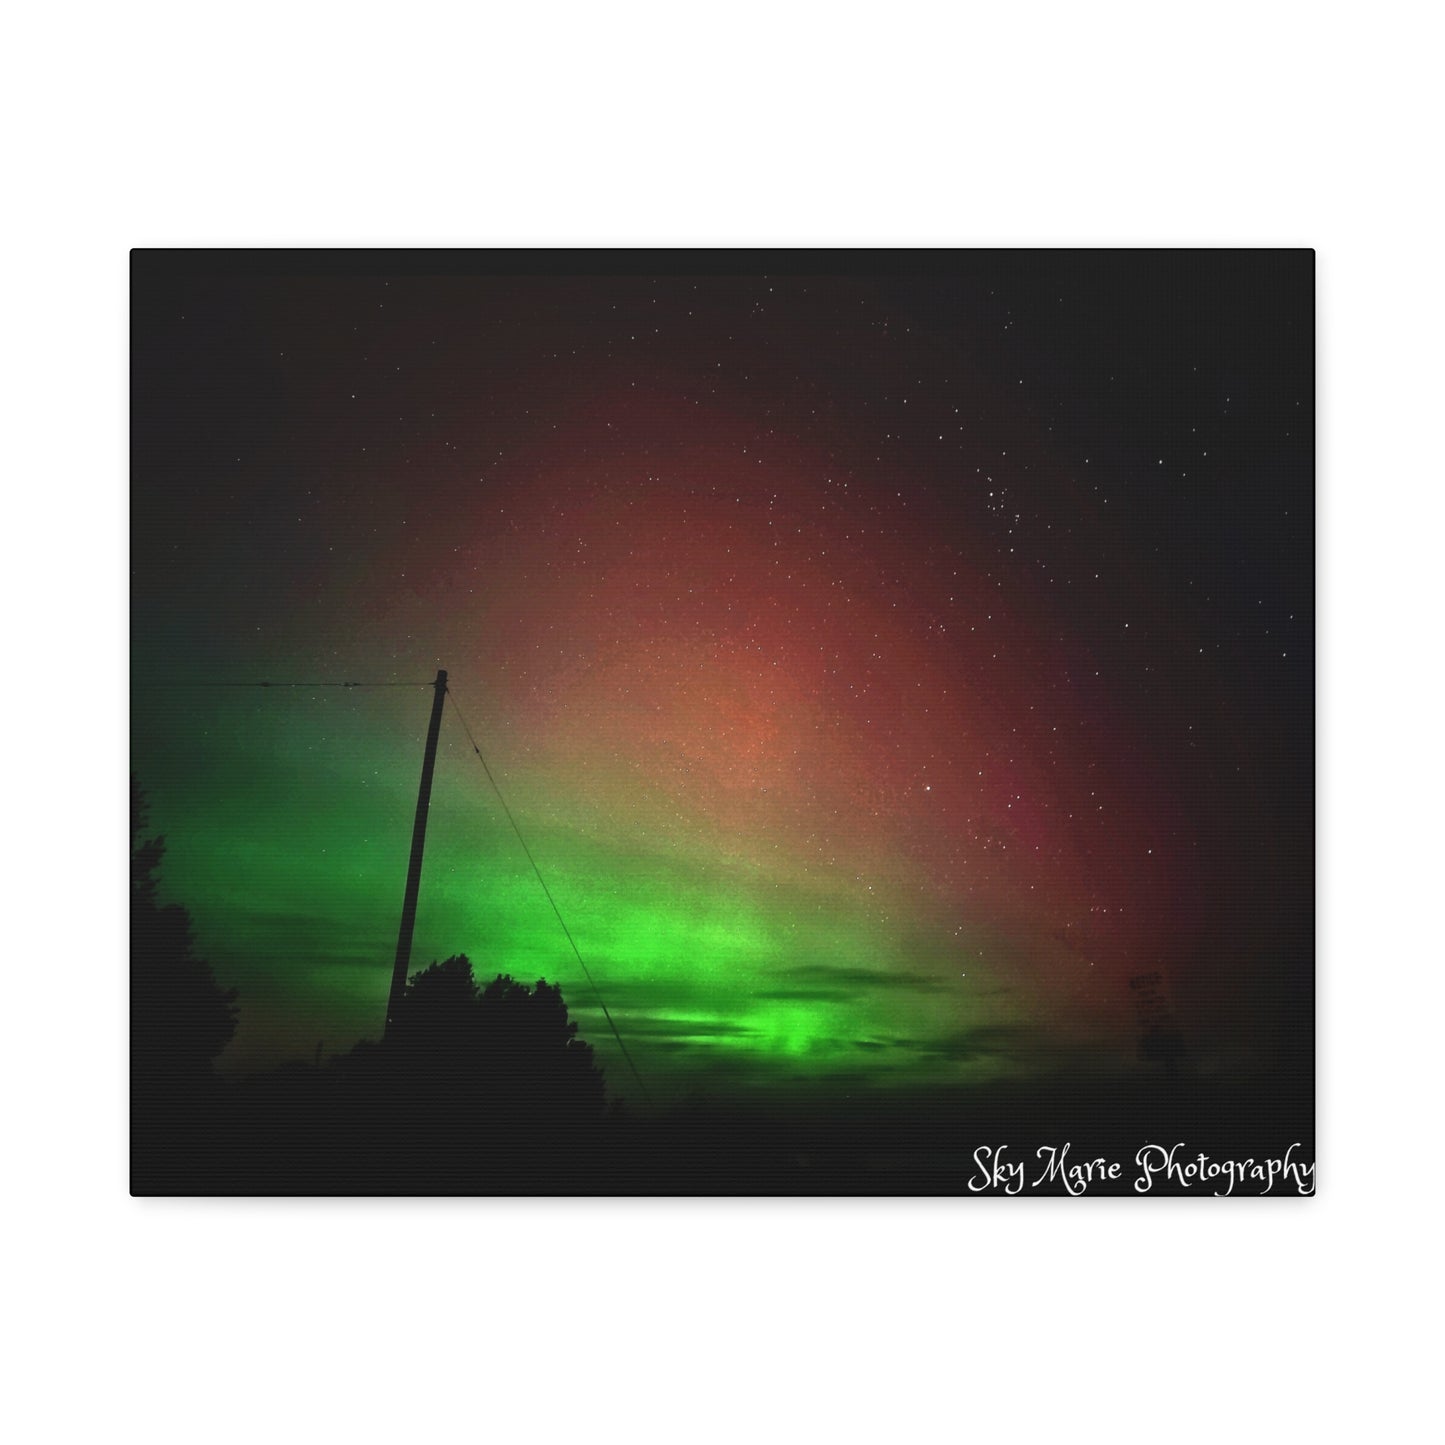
513	1045
180	1018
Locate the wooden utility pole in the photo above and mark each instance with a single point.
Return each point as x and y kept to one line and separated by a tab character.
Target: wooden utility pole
413	872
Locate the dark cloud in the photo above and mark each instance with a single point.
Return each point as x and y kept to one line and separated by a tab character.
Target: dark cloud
661	1026
862	980
808	995
967	1045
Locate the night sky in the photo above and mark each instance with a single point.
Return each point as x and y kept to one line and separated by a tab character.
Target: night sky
887	656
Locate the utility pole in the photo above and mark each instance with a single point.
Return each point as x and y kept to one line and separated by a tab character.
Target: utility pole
413	872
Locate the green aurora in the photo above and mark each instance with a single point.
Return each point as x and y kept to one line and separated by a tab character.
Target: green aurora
714	968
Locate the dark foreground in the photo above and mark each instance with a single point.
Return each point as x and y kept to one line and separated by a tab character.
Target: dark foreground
304	1131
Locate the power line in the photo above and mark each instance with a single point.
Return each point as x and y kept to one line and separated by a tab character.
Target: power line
586	972
150	683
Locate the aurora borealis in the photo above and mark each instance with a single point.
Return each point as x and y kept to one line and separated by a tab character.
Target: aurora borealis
886	658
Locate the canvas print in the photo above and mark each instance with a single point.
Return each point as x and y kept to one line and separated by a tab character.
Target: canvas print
722	723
